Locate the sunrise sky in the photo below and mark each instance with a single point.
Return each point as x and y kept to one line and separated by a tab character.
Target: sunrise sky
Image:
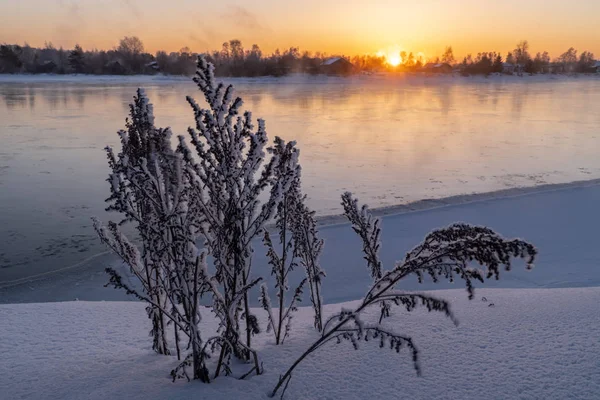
333	26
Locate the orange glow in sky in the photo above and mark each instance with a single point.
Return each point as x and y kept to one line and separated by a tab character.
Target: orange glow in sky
336	27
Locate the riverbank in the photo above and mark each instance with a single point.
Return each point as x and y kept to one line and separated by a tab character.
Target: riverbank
561	220
292	78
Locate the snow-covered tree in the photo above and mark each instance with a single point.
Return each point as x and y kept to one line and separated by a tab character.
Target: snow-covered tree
447	253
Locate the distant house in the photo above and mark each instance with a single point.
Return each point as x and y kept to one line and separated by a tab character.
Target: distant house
46	67
509	68
555	68
545	69
596	67
151	67
336	66
115	68
437	68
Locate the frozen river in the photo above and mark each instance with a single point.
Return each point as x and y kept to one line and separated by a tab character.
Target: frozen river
389	140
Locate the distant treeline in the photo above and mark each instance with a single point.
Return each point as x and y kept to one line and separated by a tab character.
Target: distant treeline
520	61
234	60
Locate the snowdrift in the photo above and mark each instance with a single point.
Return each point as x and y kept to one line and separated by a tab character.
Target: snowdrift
520	343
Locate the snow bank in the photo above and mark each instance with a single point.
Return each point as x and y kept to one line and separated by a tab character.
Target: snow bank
532	344
562	221
383	78
83	78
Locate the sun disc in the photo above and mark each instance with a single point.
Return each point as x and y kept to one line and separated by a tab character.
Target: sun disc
394	60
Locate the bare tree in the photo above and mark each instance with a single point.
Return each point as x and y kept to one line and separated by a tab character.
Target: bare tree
568	59
131	45
131	49
586	60
448	56
521	52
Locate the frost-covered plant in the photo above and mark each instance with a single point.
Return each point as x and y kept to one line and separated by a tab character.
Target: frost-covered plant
447	253
134	173
227	176
149	188
307	249
287	172
224	194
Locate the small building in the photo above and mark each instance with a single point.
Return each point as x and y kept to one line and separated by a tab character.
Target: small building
509	68
437	68
151	67
555	68
545	69
596	67
336	66
115	68
46	67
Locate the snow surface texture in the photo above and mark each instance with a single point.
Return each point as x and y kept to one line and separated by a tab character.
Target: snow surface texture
561	221
531	344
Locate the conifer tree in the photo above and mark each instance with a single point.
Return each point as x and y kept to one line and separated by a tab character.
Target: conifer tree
76	60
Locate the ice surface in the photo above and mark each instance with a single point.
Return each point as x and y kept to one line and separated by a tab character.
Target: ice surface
388	140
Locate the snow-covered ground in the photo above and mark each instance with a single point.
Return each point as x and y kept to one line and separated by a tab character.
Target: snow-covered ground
292	78
532	344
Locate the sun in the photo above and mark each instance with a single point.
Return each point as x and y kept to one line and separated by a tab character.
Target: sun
393	59
391	55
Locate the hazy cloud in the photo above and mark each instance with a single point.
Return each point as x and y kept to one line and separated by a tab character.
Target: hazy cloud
73	21
133	7
71	7
203	38
198	42
236	22
243	18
